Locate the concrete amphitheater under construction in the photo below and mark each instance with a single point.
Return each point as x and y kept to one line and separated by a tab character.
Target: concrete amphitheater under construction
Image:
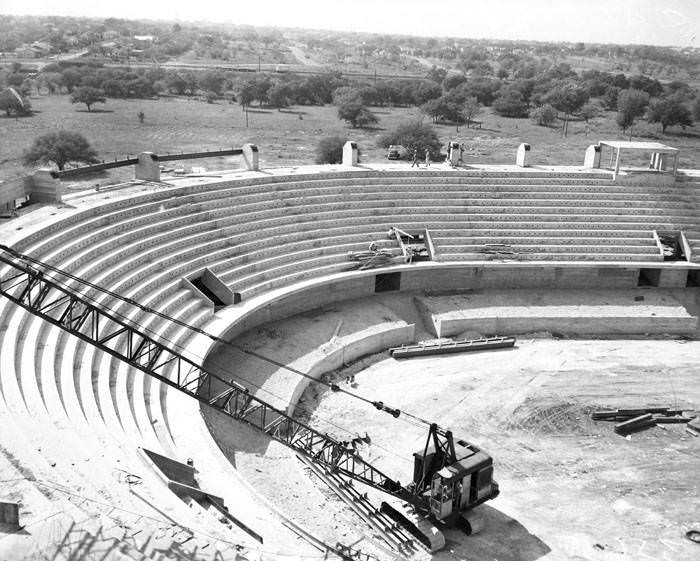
275	279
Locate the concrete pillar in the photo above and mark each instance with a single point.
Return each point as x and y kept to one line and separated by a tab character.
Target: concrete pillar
147	168
522	156
350	153
675	165
617	163
45	188
453	154
250	156
591	159
661	162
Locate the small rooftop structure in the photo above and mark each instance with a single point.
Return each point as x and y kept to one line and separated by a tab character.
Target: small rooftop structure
661	155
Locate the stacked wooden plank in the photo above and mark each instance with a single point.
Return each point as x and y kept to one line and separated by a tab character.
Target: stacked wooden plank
633	420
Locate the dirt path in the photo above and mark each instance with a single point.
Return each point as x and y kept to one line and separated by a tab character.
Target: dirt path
303	57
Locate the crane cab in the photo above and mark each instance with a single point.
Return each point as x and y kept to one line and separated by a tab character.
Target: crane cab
455	478
461	486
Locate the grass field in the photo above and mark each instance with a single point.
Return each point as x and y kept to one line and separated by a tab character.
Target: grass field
174	125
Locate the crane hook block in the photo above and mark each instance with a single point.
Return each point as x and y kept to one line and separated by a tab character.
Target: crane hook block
335	387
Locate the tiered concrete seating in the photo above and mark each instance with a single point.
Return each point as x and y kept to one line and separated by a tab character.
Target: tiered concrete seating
270	233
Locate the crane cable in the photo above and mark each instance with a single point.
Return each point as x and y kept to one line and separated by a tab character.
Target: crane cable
379	405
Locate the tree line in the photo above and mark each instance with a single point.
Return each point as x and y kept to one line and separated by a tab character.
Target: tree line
545	93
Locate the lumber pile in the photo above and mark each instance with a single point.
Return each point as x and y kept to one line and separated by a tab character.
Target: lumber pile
633	420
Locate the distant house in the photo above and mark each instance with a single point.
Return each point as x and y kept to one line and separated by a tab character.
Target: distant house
29	51
143	41
109	48
45	48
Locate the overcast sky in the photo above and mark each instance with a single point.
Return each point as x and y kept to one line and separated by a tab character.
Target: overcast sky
657	22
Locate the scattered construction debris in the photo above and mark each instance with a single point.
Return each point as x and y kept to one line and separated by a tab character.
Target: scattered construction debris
415	245
372	258
445	347
498	249
633	420
693	427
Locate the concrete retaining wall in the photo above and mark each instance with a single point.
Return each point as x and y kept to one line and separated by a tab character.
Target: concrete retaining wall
350	351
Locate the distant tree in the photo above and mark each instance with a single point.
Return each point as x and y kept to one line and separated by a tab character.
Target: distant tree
649	85
61	148
261	88
71	78
669	111
696	108
545	115
352	110
176	83
425	91
190	83
437	74
16	79
115	88
630	105
11	102
483	89
471	108
212	81
211	97
280	95
246	93
610	97
443	109
88	95
566	98
589	111
329	150
453	80
141	116
510	103
160	87
413	135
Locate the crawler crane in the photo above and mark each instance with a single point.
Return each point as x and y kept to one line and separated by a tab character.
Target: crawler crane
450	477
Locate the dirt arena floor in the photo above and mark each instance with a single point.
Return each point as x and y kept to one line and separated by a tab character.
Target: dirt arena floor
571	489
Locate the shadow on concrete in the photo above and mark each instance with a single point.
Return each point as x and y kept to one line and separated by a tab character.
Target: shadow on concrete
502	538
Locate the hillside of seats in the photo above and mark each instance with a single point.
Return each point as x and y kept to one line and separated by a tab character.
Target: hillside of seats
63	397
